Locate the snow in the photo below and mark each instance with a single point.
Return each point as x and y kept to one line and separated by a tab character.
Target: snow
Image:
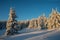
27	30
2	32
53	34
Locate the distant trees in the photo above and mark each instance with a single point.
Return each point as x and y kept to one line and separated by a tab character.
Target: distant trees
2	25
23	24
33	23
11	26
41	22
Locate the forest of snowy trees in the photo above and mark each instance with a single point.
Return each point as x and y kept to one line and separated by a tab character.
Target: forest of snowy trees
12	25
52	22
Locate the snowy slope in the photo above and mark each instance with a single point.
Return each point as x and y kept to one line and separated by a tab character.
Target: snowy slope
54	35
36	35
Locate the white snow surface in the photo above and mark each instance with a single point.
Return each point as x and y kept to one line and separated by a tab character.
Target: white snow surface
2	32
53	34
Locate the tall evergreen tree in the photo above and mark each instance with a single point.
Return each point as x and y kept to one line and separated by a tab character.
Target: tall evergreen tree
11	26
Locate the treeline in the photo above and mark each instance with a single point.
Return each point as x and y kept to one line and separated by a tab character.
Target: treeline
2	24
52	22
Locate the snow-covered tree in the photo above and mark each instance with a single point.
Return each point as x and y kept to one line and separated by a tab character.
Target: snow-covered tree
11	27
39	22
42	22
53	21
31	23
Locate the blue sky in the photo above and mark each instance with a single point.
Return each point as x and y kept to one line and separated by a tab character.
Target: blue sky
27	9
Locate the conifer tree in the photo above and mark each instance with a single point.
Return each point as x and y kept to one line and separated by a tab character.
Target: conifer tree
43	22
31	24
11	27
53	20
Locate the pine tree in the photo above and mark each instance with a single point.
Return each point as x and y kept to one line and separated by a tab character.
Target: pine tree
53	20
31	24
39	22
43	22
11	26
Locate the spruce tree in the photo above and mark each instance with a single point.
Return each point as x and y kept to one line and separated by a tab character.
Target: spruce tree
11	27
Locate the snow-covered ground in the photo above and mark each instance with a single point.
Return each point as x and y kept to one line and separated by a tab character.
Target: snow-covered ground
2	32
36	35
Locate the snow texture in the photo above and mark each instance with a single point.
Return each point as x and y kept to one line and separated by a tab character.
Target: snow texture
53	34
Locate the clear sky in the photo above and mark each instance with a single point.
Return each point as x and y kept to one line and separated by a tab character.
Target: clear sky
27	9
